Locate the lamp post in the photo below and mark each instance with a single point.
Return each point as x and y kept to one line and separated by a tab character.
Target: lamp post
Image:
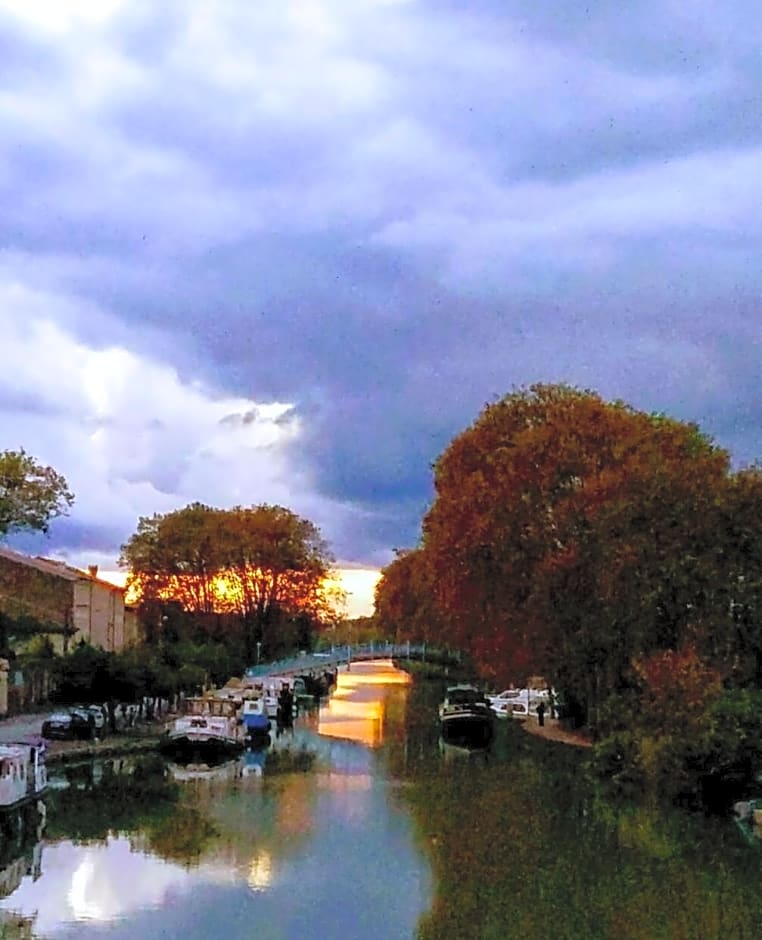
259	647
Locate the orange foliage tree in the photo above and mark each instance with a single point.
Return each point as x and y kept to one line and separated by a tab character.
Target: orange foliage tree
404	598
569	534
264	564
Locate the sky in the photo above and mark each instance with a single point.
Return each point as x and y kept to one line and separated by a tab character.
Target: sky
285	251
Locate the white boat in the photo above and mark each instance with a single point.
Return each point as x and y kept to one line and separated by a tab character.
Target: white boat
466	717
223	772
271	688
510	708
209	727
505	696
519	703
23	775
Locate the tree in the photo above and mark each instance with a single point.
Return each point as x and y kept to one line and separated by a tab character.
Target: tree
176	556
30	494
265	564
404	598
570	534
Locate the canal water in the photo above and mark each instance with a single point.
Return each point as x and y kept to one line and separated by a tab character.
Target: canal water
361	824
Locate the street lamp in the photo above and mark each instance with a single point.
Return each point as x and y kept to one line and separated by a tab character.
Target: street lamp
259	647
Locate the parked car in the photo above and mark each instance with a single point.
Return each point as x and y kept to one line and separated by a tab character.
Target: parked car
99	716
69	723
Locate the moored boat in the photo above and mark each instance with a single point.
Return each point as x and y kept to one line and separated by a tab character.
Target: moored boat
466	717
255	719
521	703
209	727
23	775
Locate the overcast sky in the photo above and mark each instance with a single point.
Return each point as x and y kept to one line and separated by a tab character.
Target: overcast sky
284	250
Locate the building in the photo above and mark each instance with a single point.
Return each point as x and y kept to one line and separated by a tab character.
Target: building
50	598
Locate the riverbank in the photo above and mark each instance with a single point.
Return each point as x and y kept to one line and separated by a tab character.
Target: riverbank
552	730
144	736
115	745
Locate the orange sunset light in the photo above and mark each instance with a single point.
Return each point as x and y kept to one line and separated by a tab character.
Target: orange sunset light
358	584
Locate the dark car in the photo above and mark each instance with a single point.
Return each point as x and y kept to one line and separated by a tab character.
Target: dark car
67	724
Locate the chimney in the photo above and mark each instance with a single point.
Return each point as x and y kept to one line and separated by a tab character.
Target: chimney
93	570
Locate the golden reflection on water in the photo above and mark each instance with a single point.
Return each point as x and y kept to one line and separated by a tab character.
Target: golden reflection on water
357	707
261	871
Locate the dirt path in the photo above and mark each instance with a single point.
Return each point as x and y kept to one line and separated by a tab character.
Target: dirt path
553	732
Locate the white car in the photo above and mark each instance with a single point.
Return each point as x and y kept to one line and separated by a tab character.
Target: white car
510	708
507	695
99	716
519	703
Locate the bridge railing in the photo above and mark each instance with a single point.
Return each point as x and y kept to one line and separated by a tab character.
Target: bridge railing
338	655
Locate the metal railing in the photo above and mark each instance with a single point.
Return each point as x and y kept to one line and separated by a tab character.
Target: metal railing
338	655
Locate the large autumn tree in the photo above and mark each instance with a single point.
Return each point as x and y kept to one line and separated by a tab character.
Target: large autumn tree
31	494
404	598
265	564
569	534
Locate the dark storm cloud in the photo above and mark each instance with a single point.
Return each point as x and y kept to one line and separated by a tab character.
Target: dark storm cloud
387	214
71	536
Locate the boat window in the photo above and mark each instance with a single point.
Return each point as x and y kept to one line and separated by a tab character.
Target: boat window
463	696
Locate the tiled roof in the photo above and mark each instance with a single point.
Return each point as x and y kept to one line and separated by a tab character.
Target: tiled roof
58	569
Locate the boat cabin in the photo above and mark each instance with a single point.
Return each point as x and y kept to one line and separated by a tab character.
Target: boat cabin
22	773
210	708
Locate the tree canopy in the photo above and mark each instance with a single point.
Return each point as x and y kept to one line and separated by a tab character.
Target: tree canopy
31	494
570	535
264	564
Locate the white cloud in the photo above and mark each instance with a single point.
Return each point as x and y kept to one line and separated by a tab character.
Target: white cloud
52	15
130	435
580	225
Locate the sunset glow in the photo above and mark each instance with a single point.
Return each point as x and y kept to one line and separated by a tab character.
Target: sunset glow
357	583
357	706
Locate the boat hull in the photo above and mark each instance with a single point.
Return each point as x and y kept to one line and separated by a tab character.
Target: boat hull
473	730
256	724
199	745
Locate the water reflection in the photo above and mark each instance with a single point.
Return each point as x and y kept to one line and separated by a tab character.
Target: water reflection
261	871
264	845
526	843
357	710
21	832
323	835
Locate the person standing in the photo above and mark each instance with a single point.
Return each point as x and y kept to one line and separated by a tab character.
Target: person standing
541	714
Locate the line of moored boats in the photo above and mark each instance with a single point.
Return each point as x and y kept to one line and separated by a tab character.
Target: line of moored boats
220	722
243	712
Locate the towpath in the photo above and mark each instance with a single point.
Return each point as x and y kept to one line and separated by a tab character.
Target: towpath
552	731
145	735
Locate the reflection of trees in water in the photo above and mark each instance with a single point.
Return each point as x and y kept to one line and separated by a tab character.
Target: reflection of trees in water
181	836
525	844
21	832
90	800
219	814
134	795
